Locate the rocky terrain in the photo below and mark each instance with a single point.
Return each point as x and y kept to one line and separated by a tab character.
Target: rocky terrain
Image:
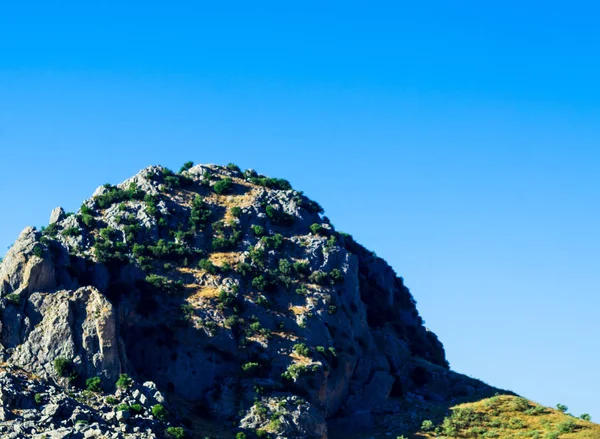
210	303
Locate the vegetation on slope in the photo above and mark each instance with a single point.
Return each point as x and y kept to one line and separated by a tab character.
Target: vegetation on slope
508	417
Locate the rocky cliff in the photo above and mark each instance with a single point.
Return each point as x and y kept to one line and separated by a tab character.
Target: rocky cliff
227	291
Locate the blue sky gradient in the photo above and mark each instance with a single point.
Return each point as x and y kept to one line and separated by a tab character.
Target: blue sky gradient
459	141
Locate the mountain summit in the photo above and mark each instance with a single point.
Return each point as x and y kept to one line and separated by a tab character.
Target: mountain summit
213	303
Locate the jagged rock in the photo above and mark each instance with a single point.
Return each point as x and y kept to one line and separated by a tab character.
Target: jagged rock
79	415
58	214
79	326
123	416
26	267
286	418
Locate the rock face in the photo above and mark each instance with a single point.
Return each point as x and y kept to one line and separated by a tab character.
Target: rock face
32	408
78	325
224	288
26	267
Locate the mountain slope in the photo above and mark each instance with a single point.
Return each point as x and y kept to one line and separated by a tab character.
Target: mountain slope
236	296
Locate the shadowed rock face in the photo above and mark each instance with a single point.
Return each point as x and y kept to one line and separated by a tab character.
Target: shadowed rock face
224	288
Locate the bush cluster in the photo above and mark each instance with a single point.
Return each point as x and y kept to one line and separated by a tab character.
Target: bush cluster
271	183
224	186
94	384
115	195
279	217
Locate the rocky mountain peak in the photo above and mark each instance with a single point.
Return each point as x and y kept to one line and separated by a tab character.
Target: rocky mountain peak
229	292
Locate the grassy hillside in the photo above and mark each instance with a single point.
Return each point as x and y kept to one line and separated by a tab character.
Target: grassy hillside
508	417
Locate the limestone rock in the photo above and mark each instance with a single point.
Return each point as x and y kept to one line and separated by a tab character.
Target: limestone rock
58	214
79	326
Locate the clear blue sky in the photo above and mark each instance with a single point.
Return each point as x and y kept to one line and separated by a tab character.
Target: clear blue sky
459	140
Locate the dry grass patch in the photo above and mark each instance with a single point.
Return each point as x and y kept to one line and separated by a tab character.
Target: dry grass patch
203	292
220	258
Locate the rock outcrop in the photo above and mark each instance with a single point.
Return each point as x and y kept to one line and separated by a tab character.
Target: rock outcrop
232	292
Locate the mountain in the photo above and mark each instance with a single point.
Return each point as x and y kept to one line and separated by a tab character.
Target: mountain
219	303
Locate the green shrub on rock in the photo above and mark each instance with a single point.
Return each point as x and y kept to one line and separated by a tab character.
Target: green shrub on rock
186	166
317	229
160	413
71	232
63	367
124	381
224	186
279	217
94	384
175	432
302	349
200	214
259	282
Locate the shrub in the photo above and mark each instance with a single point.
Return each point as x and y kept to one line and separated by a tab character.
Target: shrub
285	267
259	282
262	301
227	243
51	230
186	166
535	410
112	400
302	290
331	242
224	186
14	298
257	256
71	231
163	283
208	266
227	299
38	398
160	413
136	409
250	368
317	229
236	211
279	217
233	167
561	407
319	277
302	268
233	322
272	183
272	242
336	276
302	349
240	435
124	381
176	432
62	366
38	251
586	417
294	371
200	214
566	427
258	230
115	195
94	384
